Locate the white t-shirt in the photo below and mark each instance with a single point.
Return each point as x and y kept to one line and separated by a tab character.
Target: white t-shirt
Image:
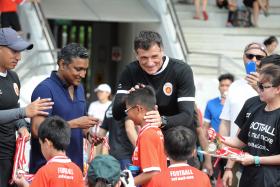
239	91
98	109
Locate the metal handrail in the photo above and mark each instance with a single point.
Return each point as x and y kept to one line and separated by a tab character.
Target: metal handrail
220	56
45	27
186	51
178	29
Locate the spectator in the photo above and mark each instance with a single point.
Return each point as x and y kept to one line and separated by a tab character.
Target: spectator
239	91
271	44
250	106
261	162
54	137
213	111
11	45
120	145
65	89
175	94
197	10
179	144
214	106
9	16
97	109
149	153
231	6
257	6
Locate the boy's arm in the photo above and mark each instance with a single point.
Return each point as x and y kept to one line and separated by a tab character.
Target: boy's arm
207	164
131	131
144	177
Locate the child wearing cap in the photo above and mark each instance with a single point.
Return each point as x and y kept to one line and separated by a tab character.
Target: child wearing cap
149	152
104	170
179	144
54	137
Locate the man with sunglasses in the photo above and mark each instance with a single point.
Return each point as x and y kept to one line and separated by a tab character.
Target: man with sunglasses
239	91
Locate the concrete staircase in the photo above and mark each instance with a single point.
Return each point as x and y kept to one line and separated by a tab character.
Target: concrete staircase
212	45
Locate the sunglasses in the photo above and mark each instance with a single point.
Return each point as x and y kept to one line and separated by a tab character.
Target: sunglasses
262	87
126	111
251	56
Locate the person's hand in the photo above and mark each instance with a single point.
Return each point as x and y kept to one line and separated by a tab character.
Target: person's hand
127	178
207	164
252	79
23	132
153	117
246	160
20	180
137	86
227	178
38	106
86	122
94	139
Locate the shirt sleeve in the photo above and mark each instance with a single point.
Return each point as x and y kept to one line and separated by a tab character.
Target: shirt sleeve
149	158
7	116
40	179
107	119
207	114
42	91
124	85
186	98
241	118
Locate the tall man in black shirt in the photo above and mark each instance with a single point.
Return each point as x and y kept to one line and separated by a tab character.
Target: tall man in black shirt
11	44
172	80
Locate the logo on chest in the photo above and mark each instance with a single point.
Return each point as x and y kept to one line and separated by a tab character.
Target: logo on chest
16	88
167	88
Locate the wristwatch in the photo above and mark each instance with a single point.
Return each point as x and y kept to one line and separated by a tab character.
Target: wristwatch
163	122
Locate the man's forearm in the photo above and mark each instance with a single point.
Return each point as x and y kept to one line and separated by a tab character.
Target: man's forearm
224	128
7	116
118	107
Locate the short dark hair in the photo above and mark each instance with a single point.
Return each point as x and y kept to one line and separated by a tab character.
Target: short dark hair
146	39
226	76
270	40
70	51
56	130
179	143
142	96
271	59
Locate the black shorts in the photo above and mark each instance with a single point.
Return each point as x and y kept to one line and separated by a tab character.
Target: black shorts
10	19
248	3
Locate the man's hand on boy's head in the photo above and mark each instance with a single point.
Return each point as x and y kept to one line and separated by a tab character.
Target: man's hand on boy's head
137	86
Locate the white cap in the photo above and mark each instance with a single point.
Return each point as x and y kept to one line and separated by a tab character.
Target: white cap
104	88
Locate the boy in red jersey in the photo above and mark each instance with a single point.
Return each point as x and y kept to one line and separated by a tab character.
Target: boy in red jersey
54	137
149	152
179	144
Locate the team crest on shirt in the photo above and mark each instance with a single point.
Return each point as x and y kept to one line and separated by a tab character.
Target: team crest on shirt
167	88
16	89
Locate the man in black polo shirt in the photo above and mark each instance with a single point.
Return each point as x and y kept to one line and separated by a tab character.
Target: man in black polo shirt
172	80
11	44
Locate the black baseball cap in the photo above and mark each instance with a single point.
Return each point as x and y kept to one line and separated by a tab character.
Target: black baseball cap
11	39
